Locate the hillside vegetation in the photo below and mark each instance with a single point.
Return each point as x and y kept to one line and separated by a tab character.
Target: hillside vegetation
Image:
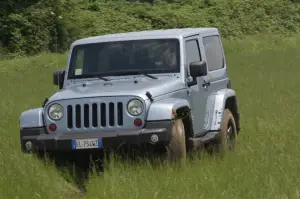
34	26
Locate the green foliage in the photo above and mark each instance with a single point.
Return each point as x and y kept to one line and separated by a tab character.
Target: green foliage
34	26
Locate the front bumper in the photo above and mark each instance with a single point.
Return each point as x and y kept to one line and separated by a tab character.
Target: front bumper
42	141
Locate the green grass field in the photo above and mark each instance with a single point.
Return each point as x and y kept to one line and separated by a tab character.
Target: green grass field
265	73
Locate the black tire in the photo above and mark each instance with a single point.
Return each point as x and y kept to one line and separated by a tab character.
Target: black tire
176	149
228	133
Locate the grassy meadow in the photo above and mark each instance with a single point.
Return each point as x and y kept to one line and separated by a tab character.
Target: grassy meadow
266	164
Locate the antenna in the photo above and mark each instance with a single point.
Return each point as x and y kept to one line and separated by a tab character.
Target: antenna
56	37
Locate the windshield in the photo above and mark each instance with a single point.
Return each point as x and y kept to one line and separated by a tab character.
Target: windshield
113	58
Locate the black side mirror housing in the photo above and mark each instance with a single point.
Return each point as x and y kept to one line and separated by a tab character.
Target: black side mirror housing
198	69
58	78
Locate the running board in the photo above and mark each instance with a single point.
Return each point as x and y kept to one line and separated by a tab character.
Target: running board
197	142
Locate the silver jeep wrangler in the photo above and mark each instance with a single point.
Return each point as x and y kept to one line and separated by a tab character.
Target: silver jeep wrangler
165	88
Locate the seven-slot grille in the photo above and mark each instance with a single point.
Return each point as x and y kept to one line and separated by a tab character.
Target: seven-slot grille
95	115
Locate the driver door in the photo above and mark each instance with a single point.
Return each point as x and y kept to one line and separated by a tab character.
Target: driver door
198	92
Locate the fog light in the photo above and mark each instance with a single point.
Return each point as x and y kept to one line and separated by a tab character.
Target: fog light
52	127
154	138
28	146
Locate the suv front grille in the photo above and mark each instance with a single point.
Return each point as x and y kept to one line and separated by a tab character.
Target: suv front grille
95	115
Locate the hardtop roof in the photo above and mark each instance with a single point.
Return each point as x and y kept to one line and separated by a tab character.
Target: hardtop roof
148	34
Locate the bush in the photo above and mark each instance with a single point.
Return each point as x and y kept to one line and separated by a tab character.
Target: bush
36	26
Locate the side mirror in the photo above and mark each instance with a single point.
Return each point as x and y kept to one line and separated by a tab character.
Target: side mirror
58	78
198	69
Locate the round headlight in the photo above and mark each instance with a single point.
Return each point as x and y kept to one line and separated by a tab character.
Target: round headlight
135	107
55	112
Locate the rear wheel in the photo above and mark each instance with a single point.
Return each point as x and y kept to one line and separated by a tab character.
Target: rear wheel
228	133
176	149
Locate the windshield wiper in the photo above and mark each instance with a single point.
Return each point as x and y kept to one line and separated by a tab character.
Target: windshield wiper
148	75
90	76
103	78
135	73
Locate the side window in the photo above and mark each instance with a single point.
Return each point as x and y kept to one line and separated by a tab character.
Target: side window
192	52
214	53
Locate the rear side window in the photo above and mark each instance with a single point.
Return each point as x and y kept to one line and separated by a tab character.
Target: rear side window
213	52
192	52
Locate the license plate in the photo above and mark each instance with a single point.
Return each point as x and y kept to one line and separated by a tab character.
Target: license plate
87	143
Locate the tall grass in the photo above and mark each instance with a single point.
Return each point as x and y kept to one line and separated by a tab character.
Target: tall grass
264	72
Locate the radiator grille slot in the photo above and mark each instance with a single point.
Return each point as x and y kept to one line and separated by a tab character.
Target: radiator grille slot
95	115
120	114
69	115
103	114
111	114
78	116
86	116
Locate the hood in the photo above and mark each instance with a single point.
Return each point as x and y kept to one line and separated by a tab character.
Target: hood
136	87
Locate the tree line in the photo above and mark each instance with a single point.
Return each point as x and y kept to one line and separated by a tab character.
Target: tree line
28	27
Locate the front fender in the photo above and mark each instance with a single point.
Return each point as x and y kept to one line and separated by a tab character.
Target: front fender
162	109
32	118
219	105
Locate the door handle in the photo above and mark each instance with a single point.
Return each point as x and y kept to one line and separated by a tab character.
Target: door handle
206	84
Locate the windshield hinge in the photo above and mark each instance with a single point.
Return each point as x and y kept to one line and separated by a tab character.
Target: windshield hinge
148	94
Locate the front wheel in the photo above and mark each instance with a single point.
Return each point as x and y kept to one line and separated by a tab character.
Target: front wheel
176	149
